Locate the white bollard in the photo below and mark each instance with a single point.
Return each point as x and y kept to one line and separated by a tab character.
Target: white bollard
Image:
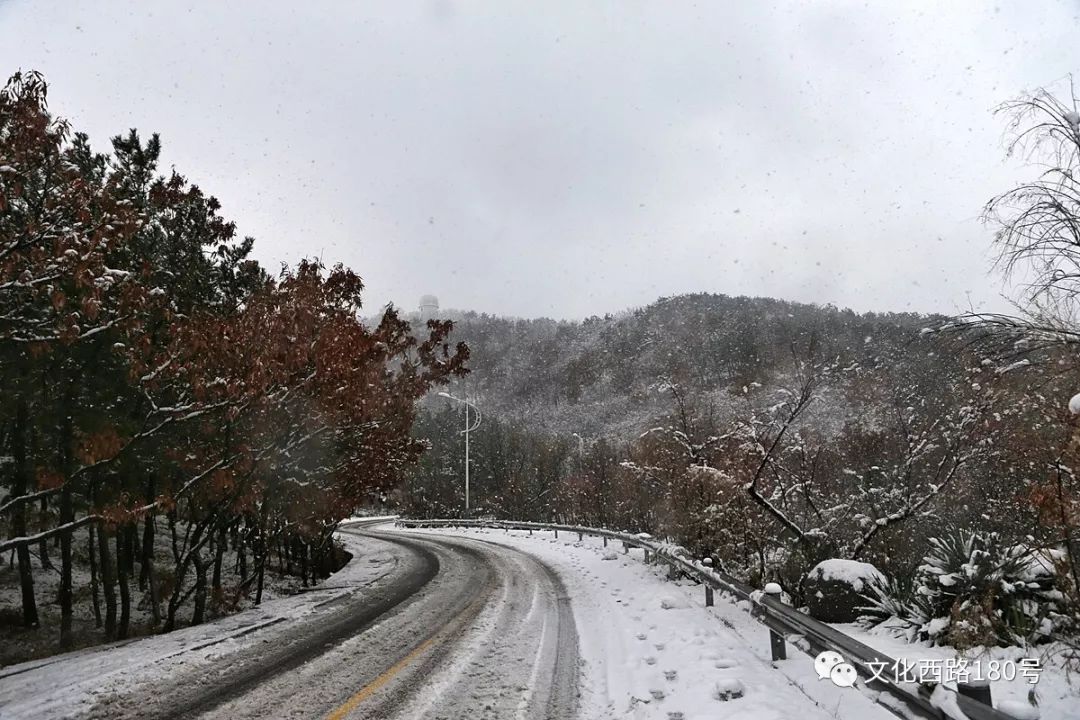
776	640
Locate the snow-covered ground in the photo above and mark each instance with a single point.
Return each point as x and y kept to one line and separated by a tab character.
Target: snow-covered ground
60	685
1057	690
651	651
636	627
648	648
19	645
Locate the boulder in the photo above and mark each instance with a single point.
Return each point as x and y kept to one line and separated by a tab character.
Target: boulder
834	589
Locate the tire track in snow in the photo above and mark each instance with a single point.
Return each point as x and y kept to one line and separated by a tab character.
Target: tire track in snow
517	657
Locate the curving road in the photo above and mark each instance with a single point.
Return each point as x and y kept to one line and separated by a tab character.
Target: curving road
459	629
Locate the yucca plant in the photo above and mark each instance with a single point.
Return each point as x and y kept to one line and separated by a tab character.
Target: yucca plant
972	589
893	600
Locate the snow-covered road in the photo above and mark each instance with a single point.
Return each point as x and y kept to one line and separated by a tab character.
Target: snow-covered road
453	624
650	650
490	636
90	680
415	627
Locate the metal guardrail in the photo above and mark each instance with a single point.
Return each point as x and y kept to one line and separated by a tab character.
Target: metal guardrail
809	635
367	521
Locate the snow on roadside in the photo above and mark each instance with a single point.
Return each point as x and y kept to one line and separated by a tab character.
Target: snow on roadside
1058	694
64	685
652	651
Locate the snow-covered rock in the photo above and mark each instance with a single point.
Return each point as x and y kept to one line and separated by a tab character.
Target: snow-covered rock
1074	404
834	589
854	573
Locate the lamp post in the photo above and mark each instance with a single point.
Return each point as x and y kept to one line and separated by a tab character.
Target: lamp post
470	425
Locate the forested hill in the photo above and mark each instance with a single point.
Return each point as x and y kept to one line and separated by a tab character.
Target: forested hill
746	427
607	376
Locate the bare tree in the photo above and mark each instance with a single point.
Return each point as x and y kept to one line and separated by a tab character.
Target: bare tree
1038	223
1038	246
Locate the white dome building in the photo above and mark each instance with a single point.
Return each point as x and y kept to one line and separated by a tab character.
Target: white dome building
429	307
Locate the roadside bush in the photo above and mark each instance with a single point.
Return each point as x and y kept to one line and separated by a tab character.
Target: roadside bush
973	589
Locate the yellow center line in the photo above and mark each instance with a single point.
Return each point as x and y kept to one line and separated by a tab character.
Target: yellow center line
349	705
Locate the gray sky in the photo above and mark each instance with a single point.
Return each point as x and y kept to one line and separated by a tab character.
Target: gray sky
575	158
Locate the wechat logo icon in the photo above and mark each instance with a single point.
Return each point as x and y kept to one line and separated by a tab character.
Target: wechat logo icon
831	664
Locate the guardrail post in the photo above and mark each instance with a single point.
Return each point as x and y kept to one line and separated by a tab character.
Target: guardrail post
708	595
580	537
530	531
776	640
625	548
605	541
556	534
646	555
776	644
978	690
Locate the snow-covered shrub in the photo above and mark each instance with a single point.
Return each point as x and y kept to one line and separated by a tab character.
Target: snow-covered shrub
973	589
890	598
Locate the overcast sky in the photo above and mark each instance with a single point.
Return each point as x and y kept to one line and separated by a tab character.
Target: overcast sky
576	158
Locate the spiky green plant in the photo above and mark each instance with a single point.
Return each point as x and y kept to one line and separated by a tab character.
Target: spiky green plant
972	589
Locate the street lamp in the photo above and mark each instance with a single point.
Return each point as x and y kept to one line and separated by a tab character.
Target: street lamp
469	427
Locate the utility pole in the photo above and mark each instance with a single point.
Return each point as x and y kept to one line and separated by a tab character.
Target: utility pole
466	431
470	425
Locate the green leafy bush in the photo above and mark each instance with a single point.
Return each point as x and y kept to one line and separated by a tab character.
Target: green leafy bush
973	589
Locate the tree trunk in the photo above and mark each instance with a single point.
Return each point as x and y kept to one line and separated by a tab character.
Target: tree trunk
108	581
241	560
43	546
43	510
146	559
261	549
64	594
198	615
259	587
178	579
219	558
95	599
318	561
303	548
147	581
67	515
131	541
26	584
151	584
147	551
123	570
20	486
182	562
